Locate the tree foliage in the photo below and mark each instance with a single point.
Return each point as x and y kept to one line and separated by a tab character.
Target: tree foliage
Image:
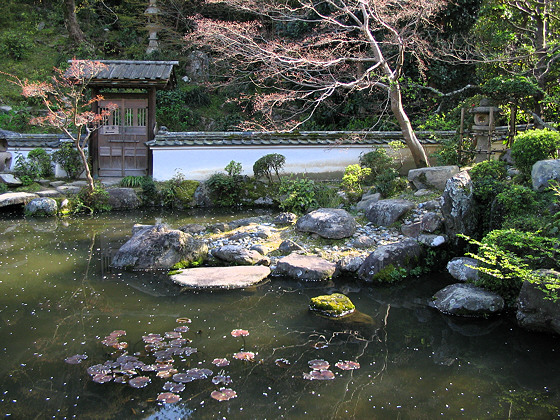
67	105
342	46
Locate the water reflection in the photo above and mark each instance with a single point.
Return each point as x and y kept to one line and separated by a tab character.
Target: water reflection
58	299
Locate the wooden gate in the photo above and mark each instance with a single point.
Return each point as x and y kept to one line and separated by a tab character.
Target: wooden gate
121	138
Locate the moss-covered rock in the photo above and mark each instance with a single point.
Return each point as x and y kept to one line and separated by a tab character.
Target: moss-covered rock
334	306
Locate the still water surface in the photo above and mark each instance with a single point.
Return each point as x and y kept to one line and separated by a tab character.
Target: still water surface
58	298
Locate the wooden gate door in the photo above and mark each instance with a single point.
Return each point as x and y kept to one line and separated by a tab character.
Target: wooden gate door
121	138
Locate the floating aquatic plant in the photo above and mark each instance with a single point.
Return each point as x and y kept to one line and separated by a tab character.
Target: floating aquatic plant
174	387
139	382
319	364
319	375
284	363
221	379
168	398
166	373
183	321
320	345
173	334
348	365
220	362
101	378
76	359
245	355
152	338
181	328
239	333
223	394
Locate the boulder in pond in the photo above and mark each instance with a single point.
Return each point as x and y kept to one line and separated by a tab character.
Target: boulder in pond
348	265
288	246
333	306
468	300
381	263
462	269
123	198
238	255
305	267
458	207
535	311
432	178
387	212
238	277
543	172
328	223
159	247
41	207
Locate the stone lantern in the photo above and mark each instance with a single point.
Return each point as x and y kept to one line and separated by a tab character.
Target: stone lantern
152	13
5	156
484	123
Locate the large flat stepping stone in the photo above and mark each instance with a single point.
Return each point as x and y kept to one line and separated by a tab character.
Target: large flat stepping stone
305	267
221	277
15	198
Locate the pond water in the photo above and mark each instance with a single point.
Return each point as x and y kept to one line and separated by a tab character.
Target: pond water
59	298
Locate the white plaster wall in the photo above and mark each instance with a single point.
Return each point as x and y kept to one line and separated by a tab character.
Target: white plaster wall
199	163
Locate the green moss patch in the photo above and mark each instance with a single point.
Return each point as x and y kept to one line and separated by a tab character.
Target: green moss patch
334	306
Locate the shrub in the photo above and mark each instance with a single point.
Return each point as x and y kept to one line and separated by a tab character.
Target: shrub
26	170
517	199
487	178
389	183
353	179
178	191
3	188
298	195
150	194
69	159
15	44
43	162
377	161
226	189
267	164
509	257
532	146
96	201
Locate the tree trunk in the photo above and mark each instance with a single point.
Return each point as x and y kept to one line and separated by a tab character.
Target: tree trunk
416	149
76	34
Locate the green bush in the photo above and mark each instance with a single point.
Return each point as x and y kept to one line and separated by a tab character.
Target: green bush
150	195
488	179
297	194
389	183
532	146
516	199
226	189
509	257
377	161
69	159
3	188
43	161
353	180
96	201
266	165
178	191
26	170
15	44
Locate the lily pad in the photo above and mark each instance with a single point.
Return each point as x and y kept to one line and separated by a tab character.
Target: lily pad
168	398
223	394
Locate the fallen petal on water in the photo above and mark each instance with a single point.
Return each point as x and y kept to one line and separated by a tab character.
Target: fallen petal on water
245	355
221	362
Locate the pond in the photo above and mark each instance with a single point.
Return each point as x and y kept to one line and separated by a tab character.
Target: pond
59	298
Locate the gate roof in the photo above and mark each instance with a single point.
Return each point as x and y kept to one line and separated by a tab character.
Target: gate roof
135	74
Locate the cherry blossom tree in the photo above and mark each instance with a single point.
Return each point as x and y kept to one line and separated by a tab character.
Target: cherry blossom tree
68	106
342	46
